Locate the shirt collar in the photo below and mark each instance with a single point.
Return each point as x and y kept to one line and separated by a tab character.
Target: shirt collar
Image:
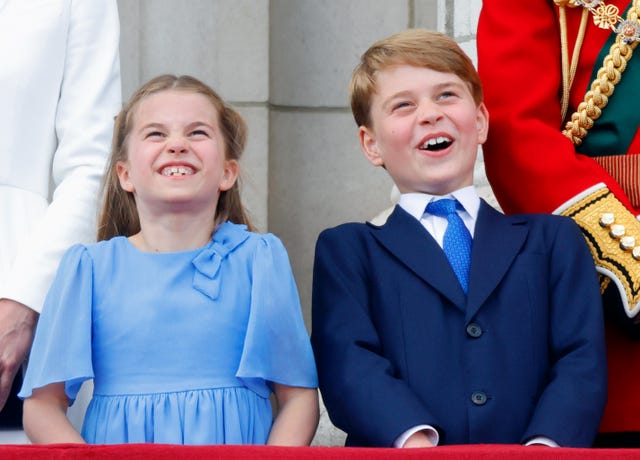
415	203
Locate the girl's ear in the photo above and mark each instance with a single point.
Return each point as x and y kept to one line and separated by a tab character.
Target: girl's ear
122	169
369	146
229	175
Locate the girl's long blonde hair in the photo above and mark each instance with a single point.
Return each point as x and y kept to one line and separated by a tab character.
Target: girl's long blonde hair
119	215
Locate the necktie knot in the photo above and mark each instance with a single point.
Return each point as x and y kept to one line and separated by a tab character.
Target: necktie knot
444	207
457	239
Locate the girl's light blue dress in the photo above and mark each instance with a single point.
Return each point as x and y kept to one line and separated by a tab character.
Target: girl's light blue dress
181	346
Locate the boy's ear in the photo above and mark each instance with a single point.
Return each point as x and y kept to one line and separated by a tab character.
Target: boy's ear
482	122
370	146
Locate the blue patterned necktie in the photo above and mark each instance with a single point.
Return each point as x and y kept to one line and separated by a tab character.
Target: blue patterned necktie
457	239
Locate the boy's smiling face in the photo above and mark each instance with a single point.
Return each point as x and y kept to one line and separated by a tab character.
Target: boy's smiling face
425	129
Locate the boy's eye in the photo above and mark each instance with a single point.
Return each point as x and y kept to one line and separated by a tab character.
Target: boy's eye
401	105
446	95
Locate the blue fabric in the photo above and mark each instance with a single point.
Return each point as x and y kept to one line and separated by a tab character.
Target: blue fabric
457	239
393	343
182	346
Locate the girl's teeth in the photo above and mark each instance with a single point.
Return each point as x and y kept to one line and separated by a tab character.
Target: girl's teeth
177	171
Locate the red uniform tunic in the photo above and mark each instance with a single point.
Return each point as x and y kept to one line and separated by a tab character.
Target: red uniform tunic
531	165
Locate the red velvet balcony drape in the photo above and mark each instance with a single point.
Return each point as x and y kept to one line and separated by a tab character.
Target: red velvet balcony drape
166	452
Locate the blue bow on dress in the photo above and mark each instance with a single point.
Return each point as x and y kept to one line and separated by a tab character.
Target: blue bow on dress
226	238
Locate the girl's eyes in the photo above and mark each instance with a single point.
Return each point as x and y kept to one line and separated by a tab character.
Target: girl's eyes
160	134
199	132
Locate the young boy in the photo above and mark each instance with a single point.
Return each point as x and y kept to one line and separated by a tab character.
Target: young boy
414	350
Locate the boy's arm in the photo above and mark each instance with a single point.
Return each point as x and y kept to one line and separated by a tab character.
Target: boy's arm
362	395
45	416
571	406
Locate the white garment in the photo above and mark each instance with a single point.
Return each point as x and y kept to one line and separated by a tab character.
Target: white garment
60	91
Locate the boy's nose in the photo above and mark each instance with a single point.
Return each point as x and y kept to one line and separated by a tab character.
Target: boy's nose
429	112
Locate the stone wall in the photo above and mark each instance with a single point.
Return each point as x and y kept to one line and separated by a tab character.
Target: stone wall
285	64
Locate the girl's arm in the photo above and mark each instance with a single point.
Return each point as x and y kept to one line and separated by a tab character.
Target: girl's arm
297	418
45	416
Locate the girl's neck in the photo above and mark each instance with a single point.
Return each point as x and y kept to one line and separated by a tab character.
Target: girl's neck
173	233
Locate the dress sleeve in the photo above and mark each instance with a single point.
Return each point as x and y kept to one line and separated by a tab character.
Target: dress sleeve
57	355
277	347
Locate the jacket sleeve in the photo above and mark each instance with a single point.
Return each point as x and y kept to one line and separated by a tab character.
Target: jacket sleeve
570	407
362	395
88	101
531	165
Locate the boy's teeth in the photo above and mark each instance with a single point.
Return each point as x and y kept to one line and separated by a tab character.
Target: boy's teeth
177	171
439	141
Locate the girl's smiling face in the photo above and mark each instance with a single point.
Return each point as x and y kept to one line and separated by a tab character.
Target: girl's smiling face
176	154
425	129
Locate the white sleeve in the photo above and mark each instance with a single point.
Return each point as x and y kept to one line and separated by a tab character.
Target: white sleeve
430	431
90	97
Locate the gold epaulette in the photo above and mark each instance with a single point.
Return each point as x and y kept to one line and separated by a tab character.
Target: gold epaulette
613	236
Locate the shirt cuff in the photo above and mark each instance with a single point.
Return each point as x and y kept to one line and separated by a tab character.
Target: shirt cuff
542	440
430	431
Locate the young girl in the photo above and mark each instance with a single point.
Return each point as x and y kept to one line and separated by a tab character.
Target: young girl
185	319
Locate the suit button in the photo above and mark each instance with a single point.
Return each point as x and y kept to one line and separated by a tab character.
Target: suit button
474	330
479	398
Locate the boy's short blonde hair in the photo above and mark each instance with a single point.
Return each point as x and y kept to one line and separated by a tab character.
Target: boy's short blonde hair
415	47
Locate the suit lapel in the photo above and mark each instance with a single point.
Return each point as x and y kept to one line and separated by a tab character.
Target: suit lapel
496	242
408	241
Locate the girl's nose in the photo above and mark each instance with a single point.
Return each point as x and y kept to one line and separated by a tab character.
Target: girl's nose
176	145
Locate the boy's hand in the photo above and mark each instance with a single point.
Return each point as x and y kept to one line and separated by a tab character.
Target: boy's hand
418	439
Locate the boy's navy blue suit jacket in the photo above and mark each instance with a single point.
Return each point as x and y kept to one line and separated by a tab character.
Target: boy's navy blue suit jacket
398	344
